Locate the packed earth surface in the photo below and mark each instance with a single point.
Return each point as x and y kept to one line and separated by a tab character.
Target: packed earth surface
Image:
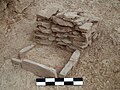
99	64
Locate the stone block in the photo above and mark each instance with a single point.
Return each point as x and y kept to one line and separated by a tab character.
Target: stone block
75	56
72	61
61	22
51	38
24	50
38	69
44	24
85	27
66	41
56	28
44	30
48	12
16	61
71	15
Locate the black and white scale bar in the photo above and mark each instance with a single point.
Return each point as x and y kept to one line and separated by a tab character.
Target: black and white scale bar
59	81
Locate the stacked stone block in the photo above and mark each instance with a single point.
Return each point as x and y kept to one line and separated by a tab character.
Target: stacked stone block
70	30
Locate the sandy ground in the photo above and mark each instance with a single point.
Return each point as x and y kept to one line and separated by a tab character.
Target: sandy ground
99	64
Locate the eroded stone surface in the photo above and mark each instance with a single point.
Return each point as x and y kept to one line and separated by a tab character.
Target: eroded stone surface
72	61
38	69
47	13
85	27
75	56
56	28
16	61
24	50
61	22
44	30
71	15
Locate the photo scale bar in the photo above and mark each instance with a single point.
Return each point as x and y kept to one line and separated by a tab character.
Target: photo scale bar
59	81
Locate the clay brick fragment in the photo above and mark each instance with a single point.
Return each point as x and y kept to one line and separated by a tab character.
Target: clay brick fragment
38	69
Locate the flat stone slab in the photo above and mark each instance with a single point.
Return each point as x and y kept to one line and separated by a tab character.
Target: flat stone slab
47	13
38	69
75	56
24	50
72	61
85	27
16	61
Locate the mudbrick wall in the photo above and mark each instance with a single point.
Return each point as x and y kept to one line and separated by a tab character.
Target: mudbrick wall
67	29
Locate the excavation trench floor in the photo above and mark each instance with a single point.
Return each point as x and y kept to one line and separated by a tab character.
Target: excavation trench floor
50	56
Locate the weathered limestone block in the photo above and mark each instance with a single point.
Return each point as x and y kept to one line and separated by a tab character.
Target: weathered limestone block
75	33
66	41
16	61
58	39
72	61
51	38
38	69
61	35
79	44
61	22
44	30
61	43
85	27
80	20
75	56
79	39
56	28
44	24
71	15
24	50
47	13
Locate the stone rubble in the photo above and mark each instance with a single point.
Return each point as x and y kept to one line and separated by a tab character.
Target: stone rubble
65	28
